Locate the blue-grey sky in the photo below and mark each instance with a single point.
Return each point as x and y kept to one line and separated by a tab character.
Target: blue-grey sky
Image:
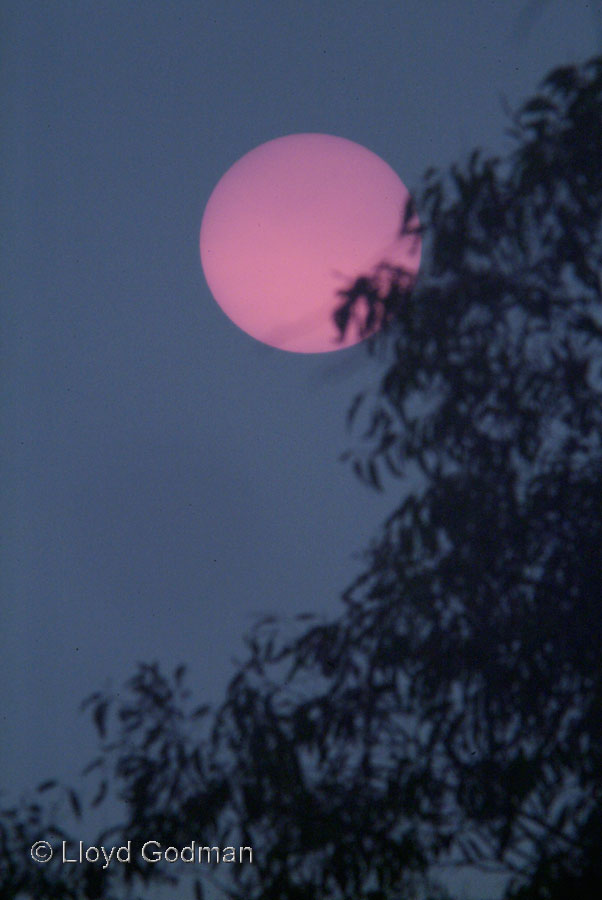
167	478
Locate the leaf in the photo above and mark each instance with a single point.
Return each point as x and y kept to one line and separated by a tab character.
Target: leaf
179	673
538	105
101	793
374	476
75	803
46	786
562	78
95	764
354	409
100	716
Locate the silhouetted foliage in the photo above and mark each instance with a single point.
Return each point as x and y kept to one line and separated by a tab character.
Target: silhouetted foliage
453	712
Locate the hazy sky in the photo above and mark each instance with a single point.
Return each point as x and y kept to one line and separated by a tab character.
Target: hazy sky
167	478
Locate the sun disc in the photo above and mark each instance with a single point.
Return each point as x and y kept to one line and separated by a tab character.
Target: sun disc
293	222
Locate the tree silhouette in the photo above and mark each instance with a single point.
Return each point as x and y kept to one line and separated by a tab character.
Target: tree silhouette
452	713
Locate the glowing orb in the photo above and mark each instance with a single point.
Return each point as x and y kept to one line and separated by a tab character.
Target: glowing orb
291	223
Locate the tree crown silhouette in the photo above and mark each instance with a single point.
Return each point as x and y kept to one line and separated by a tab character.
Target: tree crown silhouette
452	713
